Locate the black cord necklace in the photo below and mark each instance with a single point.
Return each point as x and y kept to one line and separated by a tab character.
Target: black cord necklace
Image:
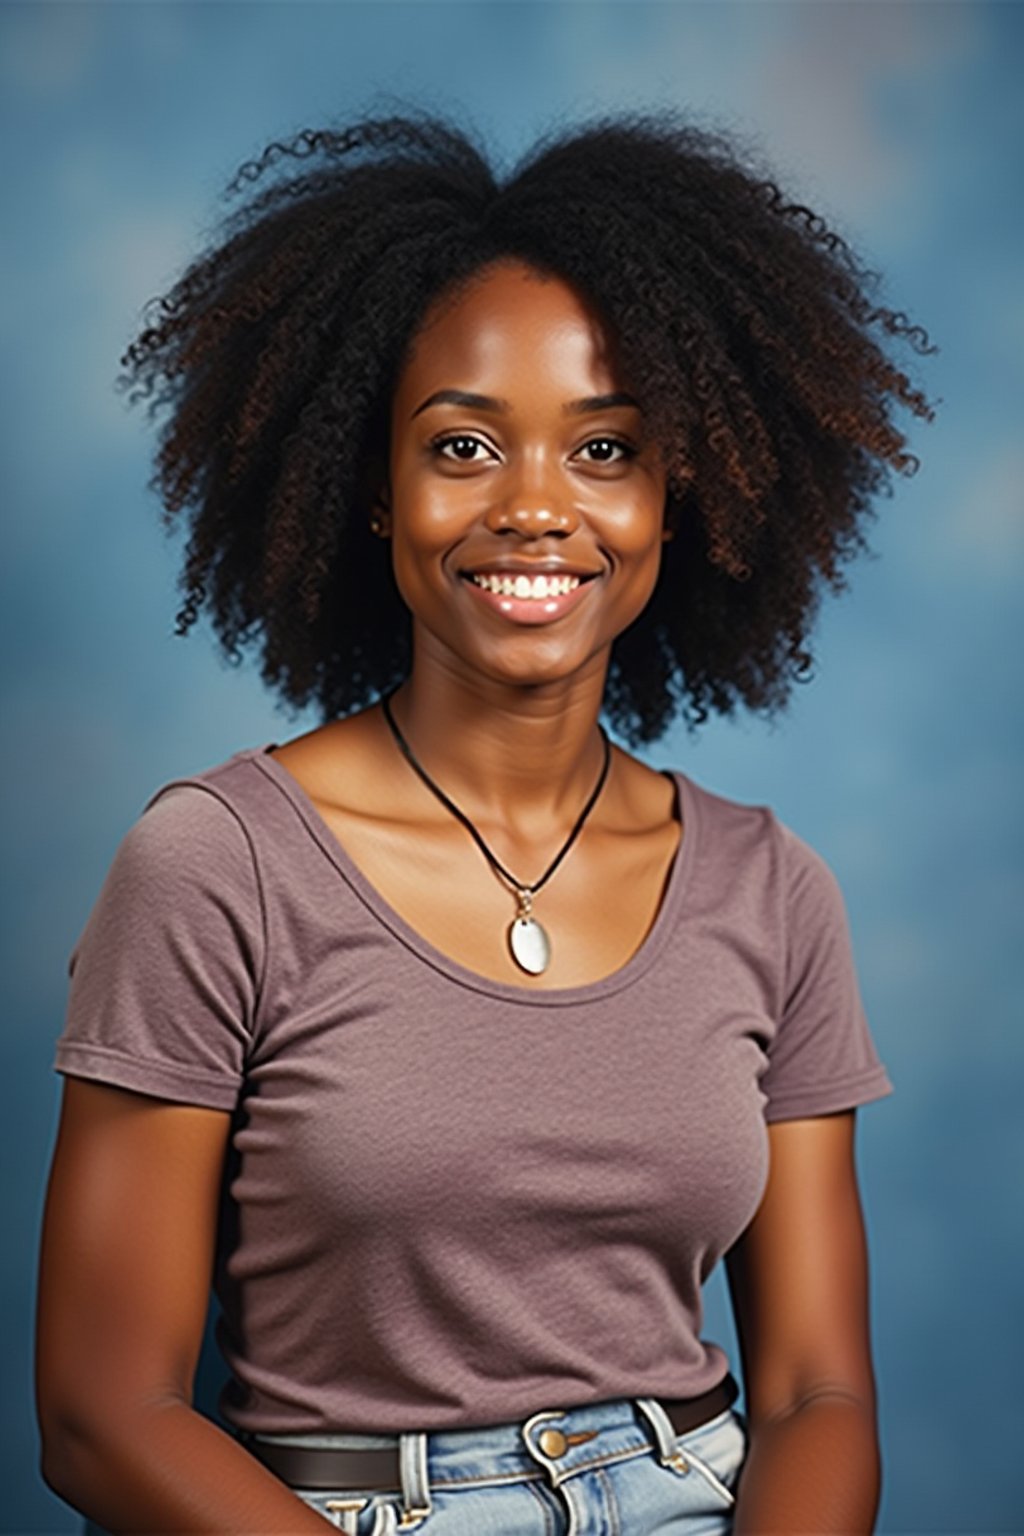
527	939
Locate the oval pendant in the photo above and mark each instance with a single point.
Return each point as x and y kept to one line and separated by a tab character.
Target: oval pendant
530	945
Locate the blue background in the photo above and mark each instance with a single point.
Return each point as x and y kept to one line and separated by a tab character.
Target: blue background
900	762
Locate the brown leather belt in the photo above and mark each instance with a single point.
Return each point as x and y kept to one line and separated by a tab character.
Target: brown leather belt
322	1468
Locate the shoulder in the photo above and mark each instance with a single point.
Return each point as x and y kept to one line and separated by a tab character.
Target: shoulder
738	836
192	844
167	972
737	829
206	813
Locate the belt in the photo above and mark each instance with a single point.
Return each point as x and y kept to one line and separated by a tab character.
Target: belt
323	1468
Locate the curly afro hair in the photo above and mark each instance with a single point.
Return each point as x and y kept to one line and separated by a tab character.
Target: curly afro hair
745	325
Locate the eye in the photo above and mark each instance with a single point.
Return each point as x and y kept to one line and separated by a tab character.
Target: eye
463	446
463	440
626	449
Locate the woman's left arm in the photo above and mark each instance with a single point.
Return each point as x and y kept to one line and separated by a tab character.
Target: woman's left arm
798	1279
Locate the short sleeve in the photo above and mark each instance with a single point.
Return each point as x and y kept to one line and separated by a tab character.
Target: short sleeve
164	977
823	1057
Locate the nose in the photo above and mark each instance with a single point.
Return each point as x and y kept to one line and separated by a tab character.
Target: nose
531	521
532	507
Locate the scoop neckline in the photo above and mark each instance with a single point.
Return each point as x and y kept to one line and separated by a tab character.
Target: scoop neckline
639	962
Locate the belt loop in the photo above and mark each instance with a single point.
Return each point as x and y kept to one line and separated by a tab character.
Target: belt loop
412	1464
664	1429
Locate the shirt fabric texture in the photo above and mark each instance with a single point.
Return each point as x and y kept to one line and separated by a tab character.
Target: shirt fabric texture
449	1201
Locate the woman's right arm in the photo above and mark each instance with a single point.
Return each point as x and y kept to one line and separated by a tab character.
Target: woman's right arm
124	1280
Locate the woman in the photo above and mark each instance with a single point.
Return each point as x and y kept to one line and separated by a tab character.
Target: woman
455	1042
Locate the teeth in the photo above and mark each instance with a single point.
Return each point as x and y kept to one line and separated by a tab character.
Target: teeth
523	586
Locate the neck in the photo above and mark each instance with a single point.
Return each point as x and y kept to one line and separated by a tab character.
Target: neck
525	758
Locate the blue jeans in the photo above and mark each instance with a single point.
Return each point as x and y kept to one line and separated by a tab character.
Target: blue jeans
624	1472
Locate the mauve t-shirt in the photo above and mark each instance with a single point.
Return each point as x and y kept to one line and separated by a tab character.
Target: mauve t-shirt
451	1201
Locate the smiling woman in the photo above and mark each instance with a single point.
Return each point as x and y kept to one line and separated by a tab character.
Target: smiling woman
746	325
552	460
457	1044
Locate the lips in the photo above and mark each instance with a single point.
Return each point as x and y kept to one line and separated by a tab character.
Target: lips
512	569
541	585
528	610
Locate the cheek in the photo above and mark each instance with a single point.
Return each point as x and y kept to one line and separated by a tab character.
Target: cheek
633	536
631	511
420	544
433	511
645	581
638	545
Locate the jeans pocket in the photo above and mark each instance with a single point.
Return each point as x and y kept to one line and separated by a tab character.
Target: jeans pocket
356	1511
717	1451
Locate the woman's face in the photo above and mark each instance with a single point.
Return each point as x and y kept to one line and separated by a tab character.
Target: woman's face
515	452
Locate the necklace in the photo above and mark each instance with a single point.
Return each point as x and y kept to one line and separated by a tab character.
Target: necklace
527	939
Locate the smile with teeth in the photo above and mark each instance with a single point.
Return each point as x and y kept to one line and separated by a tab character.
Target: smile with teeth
526	586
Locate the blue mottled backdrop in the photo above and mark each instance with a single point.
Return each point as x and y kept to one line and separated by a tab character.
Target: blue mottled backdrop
901	761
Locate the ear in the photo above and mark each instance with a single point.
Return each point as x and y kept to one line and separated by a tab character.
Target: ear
678	490
380	513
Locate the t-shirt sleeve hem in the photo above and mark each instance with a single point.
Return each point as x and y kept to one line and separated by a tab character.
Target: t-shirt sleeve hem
162	1079
824	1099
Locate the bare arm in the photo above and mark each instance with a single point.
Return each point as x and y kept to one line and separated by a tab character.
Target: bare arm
124	1275
799	1284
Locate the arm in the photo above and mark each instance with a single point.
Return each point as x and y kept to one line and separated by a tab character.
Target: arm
798	1280
124	1274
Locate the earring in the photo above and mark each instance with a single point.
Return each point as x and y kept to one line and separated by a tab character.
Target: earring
375	524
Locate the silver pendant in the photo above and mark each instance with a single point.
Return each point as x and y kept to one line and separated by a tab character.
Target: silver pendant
528	940
530	945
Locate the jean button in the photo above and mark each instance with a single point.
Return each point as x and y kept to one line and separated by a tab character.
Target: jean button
552	1442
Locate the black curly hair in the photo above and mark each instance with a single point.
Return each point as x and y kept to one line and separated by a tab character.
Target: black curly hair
746	327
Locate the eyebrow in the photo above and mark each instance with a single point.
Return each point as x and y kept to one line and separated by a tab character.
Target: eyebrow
473	402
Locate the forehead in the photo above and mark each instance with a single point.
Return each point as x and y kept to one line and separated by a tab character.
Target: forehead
510	316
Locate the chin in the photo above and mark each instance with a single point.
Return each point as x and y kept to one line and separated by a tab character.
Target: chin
533	672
